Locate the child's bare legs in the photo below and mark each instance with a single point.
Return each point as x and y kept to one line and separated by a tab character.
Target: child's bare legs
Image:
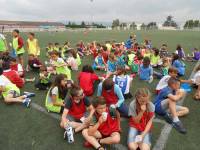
197	94
114	138
92	139
133	146
10	99
144	146
77	126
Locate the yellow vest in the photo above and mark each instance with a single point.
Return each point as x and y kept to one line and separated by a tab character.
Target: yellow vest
32	47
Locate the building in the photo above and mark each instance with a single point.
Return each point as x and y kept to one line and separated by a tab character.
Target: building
28	26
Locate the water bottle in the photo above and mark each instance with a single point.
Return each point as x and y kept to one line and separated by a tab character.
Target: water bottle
112	110
70	135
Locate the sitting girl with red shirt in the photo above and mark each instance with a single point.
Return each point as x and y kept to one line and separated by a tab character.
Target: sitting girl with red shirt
141	111
86	80
105	128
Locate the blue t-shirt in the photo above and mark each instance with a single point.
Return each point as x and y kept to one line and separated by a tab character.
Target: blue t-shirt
160	97
145	73
112	66
128	44
180	66
120	61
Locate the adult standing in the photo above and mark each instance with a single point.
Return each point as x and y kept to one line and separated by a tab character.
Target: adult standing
18	46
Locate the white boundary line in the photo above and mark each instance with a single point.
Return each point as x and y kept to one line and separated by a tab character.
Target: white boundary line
162	140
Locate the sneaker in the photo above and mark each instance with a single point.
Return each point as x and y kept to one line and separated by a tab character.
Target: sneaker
29	94
151	79
168	118
27	102
179	127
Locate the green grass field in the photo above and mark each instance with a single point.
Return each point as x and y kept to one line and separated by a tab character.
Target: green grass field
30	129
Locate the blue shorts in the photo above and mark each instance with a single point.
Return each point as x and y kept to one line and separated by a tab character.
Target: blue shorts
159	110
134	132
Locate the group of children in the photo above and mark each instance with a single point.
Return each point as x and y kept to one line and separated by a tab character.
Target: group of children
99	119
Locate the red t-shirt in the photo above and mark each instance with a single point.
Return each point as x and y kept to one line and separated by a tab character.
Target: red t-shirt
86	81
14	78
147	115
108	127
105	56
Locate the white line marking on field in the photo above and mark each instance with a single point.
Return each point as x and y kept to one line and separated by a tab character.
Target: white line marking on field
162	140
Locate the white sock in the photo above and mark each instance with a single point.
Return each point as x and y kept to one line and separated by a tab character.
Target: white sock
175	119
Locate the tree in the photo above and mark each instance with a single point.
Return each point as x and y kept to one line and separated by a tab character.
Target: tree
170	22
83	24
196	23
152	26
143	26
190	24
133	26
115	23
123	25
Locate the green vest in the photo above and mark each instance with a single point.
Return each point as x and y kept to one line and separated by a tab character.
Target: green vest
63	70
49	104
10	87
15	46
2	45
130	59
78	60
46	80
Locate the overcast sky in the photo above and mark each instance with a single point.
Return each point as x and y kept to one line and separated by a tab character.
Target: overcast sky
99	10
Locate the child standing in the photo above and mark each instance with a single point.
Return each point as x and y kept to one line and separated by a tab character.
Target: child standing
18	46
32	45
146	71
86	80
166	104
141	111
105	128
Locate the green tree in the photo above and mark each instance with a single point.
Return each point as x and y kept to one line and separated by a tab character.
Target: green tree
170	22
133	26
115	23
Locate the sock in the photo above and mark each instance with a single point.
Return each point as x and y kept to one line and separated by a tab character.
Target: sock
175	119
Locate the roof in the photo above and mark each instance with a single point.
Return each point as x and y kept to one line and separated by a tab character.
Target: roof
30	23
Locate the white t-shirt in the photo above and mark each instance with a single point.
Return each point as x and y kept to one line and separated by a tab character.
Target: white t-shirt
129	80
196	78
4	80
163	82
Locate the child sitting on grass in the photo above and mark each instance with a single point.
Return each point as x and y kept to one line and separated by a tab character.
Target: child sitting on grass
195	81
123	81
112	65
44	79
141	111
78	111
105	129
178	64
16	67
172	72
113	96
99	63
166	104
146	71
33	63
57	93
71	60
59	64
155	58
86	80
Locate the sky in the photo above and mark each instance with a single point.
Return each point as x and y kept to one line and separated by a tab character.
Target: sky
99	10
